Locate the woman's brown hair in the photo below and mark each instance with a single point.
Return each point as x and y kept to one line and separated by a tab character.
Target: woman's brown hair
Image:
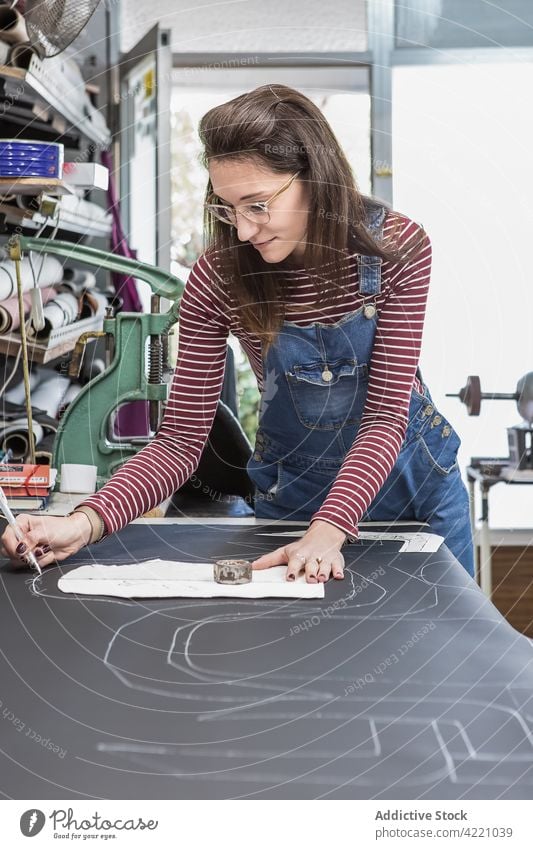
279	128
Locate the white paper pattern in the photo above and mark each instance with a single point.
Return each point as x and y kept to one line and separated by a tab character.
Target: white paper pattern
178	579
413	541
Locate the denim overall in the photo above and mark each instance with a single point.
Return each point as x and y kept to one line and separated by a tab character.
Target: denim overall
315	386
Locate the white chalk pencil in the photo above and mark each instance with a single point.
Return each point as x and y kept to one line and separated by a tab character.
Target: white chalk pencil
4	507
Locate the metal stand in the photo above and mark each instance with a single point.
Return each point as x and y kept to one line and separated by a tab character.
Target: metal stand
516	468
487	471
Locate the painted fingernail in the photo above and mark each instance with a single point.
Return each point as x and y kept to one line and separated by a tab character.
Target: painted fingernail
46	549
38	552
339	575
321	577
290	577
312	579
21	548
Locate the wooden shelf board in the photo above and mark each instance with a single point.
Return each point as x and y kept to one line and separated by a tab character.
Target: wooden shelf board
33	186
10	343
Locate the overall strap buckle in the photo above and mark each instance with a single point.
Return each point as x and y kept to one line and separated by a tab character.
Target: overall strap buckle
369	267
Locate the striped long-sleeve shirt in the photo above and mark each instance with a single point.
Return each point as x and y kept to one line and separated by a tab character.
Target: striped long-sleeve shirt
207	317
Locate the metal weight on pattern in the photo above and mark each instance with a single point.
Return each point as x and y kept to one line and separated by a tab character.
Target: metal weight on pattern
232	571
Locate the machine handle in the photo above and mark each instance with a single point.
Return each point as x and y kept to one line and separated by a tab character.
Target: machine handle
160	281
76	361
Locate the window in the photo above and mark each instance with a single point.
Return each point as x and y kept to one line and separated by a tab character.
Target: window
461	159
464	23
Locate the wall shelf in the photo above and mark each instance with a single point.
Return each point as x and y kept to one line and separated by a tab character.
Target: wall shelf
34	220
61	341
77	111
10	344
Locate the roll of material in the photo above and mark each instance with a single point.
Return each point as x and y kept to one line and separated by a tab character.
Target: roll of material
70	395
21	56
49	394
72	392
62	310
9	310
76	477
4	52
45	449
12	26
16	437
91	368
66	308
30	202
76	280
16	394
95	303
85	209
48	270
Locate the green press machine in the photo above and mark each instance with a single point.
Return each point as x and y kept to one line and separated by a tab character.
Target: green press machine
136	363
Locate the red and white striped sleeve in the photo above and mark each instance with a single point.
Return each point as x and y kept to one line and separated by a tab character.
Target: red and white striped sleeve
164	465
393	363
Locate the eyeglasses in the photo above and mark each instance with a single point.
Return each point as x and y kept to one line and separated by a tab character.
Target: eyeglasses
258	213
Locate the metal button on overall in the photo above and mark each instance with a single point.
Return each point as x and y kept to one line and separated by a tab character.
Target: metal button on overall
436	421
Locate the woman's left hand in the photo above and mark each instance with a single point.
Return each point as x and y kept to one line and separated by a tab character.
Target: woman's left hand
318	552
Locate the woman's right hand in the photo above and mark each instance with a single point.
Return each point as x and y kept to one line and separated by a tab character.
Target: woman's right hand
50	538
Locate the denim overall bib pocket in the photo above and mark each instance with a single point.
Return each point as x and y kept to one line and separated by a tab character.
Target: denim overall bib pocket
314	395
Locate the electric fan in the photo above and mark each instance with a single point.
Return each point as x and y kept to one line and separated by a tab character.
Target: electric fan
54	24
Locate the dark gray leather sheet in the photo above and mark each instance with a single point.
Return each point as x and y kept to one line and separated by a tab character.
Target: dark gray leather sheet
403	683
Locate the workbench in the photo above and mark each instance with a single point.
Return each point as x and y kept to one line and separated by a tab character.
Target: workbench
404	682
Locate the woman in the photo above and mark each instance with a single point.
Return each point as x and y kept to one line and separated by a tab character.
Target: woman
326	291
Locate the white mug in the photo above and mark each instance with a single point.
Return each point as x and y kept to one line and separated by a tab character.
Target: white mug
76	477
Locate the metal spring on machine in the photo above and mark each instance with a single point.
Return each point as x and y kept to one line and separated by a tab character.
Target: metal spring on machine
155	360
